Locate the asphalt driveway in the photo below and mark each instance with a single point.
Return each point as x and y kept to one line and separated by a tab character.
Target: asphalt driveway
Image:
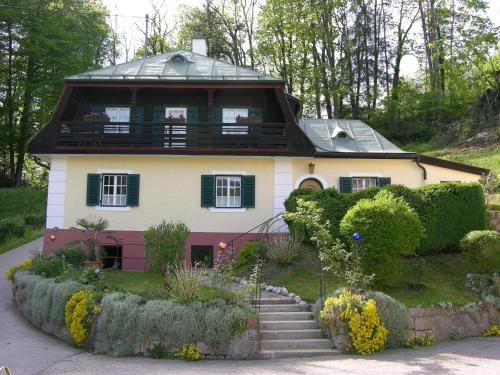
26	350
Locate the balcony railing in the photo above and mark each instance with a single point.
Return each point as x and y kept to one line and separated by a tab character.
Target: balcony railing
80	134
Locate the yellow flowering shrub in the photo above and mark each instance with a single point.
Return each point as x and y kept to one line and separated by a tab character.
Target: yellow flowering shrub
79	312
368	334
425	340
189	353
25	265
358	318
494	330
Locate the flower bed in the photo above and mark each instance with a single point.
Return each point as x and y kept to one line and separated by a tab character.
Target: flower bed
122	324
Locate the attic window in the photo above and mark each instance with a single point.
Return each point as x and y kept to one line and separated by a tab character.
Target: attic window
341	135
177	58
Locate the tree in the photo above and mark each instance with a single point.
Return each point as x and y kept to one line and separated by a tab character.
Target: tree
45	40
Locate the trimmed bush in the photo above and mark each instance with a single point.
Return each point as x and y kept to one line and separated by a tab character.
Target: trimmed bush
483	246
247	254
394	316
389	228
448	212
127	321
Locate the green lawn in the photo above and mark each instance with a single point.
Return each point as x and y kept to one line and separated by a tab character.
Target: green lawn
151	284
20	202
443	279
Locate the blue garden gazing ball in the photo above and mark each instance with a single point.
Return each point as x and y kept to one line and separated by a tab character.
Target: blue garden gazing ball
356	236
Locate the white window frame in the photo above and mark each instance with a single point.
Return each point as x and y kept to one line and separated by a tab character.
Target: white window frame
118	128
226	200
114	199
176	109
230	118
363	183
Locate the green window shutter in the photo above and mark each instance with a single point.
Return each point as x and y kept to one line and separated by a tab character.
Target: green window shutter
139	119
207	191
93	189
192	114
248	191
255	112
158	113
382	181
217	115
345	184
97	108
133	189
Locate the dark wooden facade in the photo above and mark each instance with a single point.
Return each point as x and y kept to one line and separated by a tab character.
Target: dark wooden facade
271	128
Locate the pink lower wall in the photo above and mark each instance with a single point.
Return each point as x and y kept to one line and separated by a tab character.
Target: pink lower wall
132	243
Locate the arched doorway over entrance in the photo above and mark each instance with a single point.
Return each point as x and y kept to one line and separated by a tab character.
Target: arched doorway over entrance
311	183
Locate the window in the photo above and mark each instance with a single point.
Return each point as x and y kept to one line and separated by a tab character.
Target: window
228	191
230	116
176	113
202	256
117	114
114	190
361	183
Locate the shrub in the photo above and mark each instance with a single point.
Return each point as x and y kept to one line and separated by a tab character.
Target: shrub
79	315
283	248
165	244
388	228
73	254
247	255
184	286
25	265
359	318
483	246
189	353
12	226
448	212
46	265
34	220
394	317
494	330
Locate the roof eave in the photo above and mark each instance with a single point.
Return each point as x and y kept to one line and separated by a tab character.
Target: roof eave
425	159
367	155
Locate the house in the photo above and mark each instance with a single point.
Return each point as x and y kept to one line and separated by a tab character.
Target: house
183	137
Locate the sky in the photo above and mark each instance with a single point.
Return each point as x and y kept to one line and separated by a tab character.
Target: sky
132	12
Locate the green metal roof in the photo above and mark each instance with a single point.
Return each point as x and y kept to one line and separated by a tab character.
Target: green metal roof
175	66
349	136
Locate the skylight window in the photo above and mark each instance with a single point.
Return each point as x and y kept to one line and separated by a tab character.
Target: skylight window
177	58
340	133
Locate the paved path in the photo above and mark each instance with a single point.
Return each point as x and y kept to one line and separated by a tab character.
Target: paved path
26	350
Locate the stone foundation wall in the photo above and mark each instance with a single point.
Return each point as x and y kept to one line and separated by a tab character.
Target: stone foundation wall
451	323
495	219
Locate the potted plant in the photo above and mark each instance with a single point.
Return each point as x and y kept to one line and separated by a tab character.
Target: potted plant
91	227
175	120
96	117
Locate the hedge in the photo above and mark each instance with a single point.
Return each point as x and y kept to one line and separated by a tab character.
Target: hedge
447	211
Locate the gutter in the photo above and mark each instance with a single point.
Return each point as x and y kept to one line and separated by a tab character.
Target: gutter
367	155
417	160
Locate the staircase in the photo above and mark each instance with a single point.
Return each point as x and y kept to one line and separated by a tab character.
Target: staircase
288	329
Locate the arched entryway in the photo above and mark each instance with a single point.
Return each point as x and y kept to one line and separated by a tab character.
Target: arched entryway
311	183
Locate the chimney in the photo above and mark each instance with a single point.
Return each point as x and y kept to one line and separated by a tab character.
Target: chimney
199	44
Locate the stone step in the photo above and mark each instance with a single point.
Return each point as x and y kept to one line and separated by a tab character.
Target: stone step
296	344
276	325
275	301
288	315
283	308
291	334
271	354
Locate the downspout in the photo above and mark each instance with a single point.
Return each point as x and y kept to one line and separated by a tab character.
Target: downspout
417	160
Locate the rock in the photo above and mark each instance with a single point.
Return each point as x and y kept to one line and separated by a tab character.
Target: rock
243	282
292	295
297	299
302	303
276	290
284	291
269	288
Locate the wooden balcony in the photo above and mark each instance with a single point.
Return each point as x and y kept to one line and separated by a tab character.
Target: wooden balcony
171	137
